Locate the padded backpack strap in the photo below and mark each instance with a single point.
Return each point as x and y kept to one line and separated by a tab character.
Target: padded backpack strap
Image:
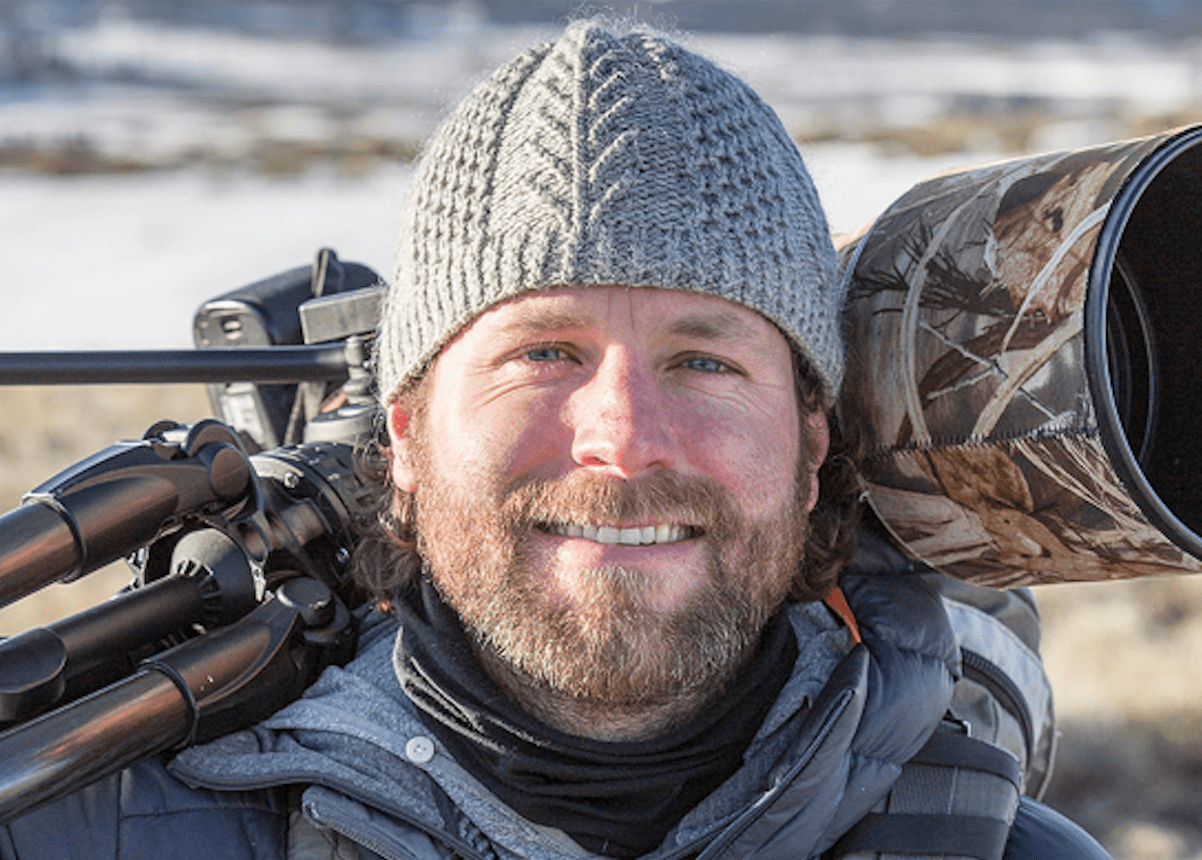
956	798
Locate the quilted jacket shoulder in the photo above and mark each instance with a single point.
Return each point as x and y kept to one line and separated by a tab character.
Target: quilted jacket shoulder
143	812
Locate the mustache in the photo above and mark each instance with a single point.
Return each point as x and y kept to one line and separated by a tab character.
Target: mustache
661	497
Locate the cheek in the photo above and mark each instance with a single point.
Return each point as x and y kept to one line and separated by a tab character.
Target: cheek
754	456
501	441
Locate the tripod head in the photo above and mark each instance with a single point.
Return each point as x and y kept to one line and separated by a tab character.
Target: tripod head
240	545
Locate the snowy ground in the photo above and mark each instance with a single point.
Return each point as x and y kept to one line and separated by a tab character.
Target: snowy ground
103	262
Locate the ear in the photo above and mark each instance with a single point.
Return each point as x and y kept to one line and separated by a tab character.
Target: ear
817	432
404	476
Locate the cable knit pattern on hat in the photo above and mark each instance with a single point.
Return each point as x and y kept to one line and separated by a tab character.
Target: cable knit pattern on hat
612	160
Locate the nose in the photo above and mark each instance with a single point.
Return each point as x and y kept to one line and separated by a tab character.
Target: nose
620	418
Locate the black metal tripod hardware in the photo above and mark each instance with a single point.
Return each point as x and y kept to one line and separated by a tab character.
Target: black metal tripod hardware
207	573
228	679
118	499
213	584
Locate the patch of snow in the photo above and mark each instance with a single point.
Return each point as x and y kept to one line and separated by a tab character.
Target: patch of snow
103	262
856	184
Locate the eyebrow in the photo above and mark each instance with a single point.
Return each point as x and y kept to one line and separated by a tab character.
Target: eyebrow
712	326
704	326
532	321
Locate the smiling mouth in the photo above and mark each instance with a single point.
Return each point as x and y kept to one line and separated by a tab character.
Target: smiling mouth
632	536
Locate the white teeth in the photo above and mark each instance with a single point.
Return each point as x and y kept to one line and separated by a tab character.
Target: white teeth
630	536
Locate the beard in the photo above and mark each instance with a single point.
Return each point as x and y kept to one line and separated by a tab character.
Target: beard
609	643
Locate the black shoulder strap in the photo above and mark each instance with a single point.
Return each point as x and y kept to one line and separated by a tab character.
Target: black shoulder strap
956	798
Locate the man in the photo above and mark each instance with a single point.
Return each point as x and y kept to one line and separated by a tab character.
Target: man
606	574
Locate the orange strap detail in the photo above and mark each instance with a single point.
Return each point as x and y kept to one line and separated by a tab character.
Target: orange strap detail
837	603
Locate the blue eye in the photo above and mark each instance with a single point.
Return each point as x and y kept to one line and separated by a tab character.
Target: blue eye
706	365
546	353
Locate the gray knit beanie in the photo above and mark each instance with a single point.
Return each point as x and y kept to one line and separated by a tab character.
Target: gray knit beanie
610	159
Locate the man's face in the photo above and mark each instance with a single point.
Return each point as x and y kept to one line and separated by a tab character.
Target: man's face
611	485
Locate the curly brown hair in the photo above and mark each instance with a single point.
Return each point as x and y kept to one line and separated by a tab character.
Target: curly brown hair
386	559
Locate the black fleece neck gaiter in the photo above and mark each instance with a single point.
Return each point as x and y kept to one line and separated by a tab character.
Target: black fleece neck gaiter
616	799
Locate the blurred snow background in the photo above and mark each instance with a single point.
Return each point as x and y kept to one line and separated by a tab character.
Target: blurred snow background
156	153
